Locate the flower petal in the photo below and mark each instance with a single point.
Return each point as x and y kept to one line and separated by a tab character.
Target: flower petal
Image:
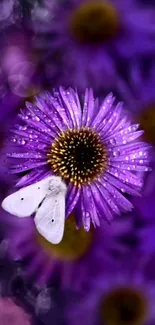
88	108
26	166
104	110
33	176
101	205
65	98
72	198
108	183
122	186
56	107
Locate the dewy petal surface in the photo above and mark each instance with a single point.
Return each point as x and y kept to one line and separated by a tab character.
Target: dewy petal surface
91	144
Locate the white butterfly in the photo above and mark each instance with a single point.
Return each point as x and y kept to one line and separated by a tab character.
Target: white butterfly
47	200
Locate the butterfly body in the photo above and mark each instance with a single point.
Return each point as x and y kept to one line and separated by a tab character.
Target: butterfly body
46	199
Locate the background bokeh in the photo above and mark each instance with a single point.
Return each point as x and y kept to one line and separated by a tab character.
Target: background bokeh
107	277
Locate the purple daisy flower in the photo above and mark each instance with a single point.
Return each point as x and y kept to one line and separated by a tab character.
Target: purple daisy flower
139	97
91	146
74	257
18	63
121	298
86	52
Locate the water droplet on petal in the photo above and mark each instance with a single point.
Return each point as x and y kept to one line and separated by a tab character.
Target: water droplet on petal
13	140
112	141
116	153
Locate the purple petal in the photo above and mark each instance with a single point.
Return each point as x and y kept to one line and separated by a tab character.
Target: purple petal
89	203
120	185
121	201
123	139
124	131
85	213
30	133
27	155
53	124
115	117
88	209
76	106
88	108
26	166
136	165
105	195
38	126
73	195
104	110
101	205
65	95
129	152
126	177
33	176
57	109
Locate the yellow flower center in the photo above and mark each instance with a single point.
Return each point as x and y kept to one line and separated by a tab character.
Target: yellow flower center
78	156
94	22
123	306
147	122
75	243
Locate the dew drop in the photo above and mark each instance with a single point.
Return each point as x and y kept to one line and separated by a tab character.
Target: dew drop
113	141
41	146
14	140
116	153
36	118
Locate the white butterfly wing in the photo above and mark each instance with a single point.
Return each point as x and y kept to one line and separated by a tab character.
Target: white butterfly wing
50	218
25	201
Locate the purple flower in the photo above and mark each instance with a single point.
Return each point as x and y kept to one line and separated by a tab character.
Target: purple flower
18	65
74	257
90	145
145	224
121	298
139	97
87	54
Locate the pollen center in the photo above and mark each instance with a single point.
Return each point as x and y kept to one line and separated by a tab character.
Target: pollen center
123	306
75	243
94	22
147	122
78	155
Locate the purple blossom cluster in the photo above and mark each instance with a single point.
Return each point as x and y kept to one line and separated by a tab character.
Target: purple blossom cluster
77	99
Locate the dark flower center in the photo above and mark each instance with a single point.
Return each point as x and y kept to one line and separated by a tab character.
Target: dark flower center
75	243
78	155
94	22
123	306
147	122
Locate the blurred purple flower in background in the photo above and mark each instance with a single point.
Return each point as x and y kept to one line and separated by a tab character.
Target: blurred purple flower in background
139	96
74	257
91	147
19	63
105	275
122	298
83	41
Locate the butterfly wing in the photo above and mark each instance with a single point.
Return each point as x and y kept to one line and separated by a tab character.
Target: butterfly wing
50	217
25	201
